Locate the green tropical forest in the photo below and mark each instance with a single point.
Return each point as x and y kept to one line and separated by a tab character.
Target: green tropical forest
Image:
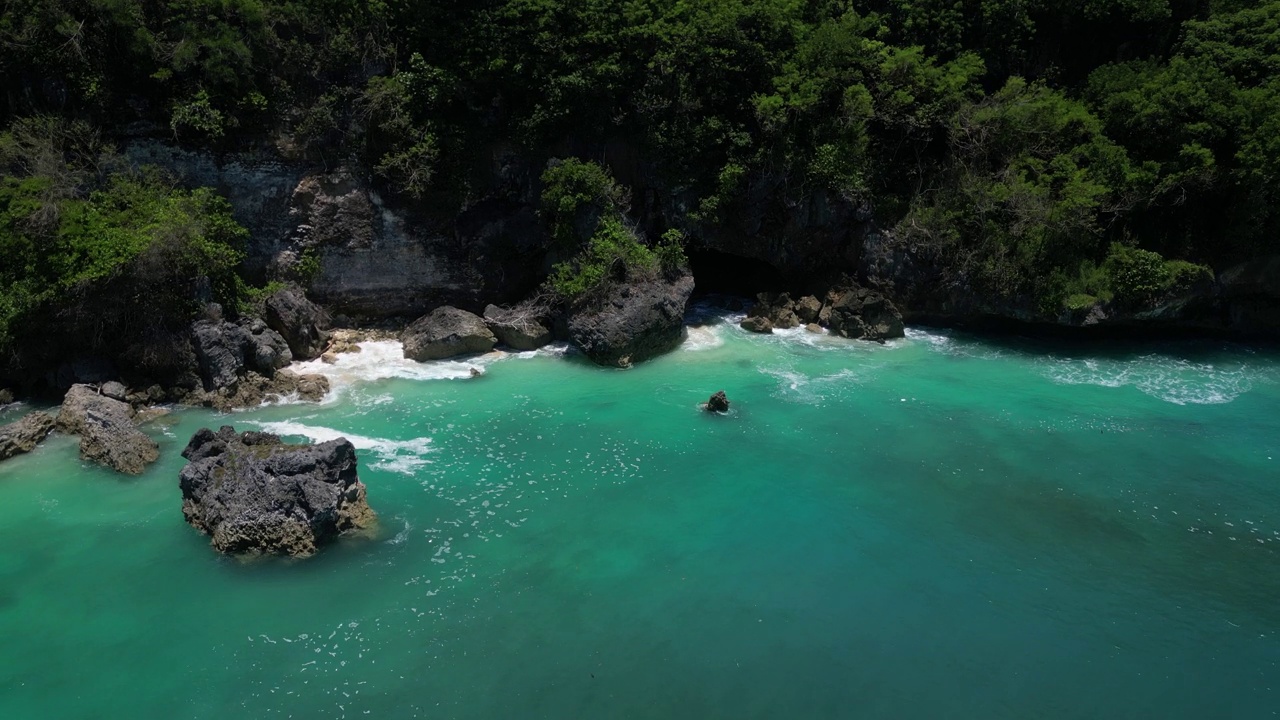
1066	151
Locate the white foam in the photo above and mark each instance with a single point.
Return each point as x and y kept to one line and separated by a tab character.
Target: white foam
1173	380
402	456
702	337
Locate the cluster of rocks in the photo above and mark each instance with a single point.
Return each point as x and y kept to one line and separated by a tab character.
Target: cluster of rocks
253	493
848	311
628	323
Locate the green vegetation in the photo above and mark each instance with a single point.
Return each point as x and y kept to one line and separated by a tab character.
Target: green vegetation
1018	142
585	209
79	233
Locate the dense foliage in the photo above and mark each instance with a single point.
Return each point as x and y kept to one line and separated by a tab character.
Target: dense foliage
99	249
1029	143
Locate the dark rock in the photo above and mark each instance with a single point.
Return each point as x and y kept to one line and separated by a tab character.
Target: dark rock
446	332
301	322
253	493
631	322
219	348
108	435
23	436
807	309
757	324
518	327
862	314
6	396
224	352
114	390
718	402
778	309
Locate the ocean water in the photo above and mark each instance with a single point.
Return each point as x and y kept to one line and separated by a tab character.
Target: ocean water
942	527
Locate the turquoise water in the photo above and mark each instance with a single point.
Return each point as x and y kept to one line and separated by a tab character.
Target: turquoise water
943	527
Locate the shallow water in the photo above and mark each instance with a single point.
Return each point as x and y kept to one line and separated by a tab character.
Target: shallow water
939	527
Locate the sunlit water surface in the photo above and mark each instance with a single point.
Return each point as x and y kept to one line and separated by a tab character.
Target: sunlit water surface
941	527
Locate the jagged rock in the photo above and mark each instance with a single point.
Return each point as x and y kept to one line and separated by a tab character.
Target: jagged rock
778	309
517	327
301	322
23	436
253	493
114	390
862	314
807	309
631	322
718	402
446	332
224	351
108	435
313	388
6	396
757	324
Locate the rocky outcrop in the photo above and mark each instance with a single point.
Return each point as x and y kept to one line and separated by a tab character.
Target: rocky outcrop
299	321
718	403
848	311
519	327
23	435
225	351
252	493
861	314
107	432
631	322
446	332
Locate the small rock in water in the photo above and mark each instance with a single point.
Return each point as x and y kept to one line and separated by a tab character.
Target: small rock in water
718	403
757	324
476	372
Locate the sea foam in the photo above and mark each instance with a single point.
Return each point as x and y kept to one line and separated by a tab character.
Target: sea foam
401	456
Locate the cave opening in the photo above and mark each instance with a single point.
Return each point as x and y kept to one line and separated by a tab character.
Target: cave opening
716	272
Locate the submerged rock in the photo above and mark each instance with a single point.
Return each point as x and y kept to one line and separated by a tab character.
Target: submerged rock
718	402
252	493
301	322
446	332
631	322
108	435
23	436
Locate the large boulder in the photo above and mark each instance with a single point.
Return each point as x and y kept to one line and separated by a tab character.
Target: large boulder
518	327
225	351
756	324
6	396
631	322
446	332
301	322
861	314
778	308
108	435
23	436
253	493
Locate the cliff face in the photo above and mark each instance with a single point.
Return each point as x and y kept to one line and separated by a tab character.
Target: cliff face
360	255
368	257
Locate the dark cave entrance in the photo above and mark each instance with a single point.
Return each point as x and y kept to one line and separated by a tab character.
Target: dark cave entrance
722	273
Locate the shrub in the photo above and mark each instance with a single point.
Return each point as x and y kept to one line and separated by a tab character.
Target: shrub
613	252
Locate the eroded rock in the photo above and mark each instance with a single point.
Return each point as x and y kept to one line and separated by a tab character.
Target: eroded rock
518	327
757	324
23	435
718	402
446	332
632	322
301	322
252	493
108	435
